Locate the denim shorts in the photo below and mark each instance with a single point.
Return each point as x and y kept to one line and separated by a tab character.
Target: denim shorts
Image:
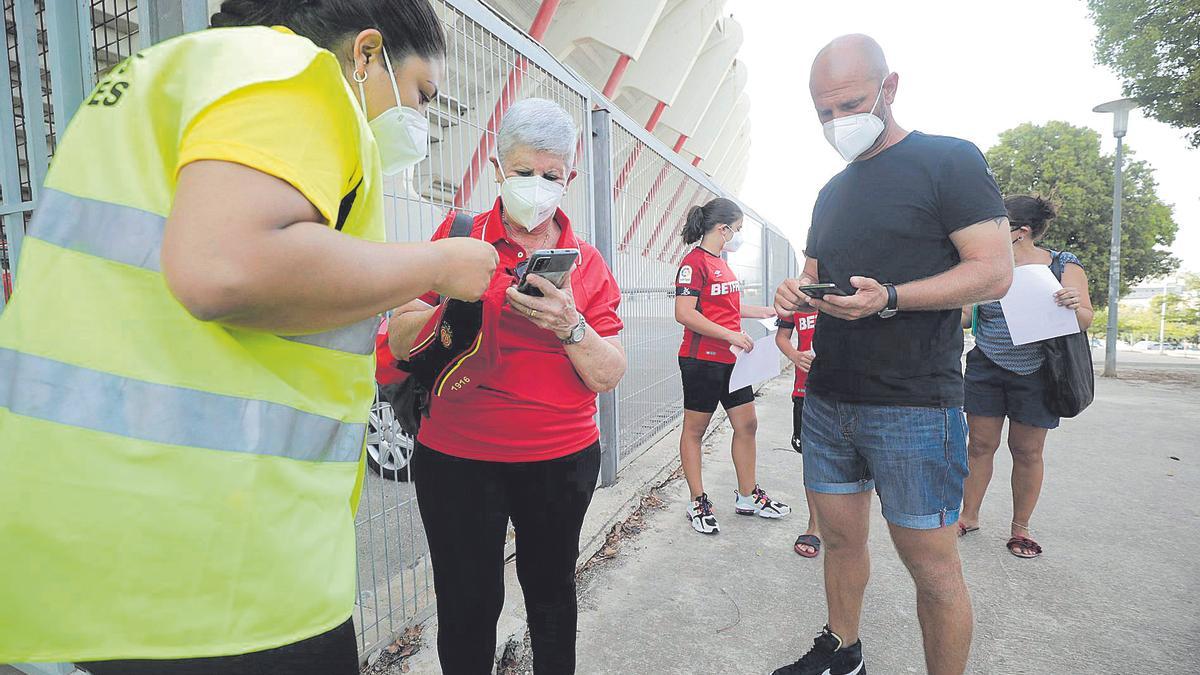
992	391
915	458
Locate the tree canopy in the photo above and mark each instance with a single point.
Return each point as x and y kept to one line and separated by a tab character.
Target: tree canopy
1064	162
1154	47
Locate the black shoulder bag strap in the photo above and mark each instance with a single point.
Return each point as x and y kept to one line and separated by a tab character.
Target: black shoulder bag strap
462	225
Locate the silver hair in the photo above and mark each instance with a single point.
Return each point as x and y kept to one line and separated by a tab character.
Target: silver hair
539	124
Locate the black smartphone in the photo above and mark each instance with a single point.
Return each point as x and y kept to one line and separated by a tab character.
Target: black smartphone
821	290
552	264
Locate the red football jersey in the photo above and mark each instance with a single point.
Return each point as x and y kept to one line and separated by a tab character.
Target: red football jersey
804	324
710	280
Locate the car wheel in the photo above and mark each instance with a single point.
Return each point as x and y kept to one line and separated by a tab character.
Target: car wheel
389	448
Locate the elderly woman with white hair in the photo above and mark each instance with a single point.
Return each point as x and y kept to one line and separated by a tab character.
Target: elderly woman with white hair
523	442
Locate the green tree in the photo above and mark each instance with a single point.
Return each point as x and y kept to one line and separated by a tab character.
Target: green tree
1065	162
1154	47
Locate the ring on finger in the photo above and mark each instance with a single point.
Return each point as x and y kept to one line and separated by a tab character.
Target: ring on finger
532	313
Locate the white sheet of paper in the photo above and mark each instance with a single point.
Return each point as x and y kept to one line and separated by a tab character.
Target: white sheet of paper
1030	309
769	324
756	366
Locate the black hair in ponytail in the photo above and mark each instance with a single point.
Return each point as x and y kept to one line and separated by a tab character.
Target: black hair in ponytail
1032	211
408	26
702	219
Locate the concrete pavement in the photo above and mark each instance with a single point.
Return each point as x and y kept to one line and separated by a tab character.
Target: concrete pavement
1116	591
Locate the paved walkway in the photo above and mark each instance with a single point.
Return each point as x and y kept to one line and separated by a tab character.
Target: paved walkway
1115	592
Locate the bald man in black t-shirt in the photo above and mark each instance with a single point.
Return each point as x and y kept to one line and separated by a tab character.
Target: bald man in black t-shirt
912	230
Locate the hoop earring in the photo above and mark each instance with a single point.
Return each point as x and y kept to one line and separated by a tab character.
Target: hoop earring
364	75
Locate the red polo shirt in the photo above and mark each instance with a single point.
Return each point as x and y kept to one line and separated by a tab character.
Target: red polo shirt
718	294
804	323
533	406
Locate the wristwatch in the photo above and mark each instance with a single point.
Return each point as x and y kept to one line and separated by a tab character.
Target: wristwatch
577	333
889	311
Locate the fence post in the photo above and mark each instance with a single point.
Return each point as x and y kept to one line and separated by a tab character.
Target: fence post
72	61
602	186
160	20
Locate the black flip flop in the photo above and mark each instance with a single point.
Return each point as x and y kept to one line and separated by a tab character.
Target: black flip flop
811	540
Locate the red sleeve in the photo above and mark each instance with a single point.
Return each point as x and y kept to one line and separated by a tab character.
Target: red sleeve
601	312
441	232
689	280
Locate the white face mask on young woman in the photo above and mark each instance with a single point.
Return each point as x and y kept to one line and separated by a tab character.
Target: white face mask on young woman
734	242
853	134
402	133
529	200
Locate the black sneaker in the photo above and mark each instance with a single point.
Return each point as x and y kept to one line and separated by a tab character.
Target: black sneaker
828	657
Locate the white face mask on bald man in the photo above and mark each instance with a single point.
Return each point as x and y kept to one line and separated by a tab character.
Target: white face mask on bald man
853	134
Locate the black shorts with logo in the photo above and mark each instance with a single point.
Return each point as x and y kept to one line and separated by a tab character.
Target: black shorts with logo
706	383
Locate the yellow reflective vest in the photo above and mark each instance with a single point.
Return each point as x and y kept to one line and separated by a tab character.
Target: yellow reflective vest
170	488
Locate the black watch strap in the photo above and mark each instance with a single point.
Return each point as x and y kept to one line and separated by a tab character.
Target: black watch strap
891	291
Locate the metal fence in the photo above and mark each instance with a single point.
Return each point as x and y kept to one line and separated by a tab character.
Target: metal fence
629	198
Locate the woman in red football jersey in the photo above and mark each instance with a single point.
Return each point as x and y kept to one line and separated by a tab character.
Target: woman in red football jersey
708	304
808	544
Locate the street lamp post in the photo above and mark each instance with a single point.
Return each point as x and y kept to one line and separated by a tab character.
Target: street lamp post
1120	109
1162	319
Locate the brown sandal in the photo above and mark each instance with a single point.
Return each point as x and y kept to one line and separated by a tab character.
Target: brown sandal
1024	547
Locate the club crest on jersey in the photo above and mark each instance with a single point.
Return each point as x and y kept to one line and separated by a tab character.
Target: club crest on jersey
685	274
447	335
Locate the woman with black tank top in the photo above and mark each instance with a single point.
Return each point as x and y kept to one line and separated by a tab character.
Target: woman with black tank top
1005	380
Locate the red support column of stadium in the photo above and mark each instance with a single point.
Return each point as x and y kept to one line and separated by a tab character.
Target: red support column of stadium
537	30
662	221
679	246
649	198
651	124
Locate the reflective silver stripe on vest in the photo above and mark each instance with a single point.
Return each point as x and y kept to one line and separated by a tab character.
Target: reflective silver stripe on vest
357	338
119	233
134	237
59	392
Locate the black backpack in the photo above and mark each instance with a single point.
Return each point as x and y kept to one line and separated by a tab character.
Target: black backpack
1067	369
410	399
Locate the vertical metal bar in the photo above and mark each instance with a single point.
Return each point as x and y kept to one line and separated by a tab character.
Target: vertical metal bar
158	20
10	183
66	56
195	15
87	48
1114	269
602	187
36	150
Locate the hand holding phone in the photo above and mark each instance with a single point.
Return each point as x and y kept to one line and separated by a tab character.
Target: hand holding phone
821	290
553	265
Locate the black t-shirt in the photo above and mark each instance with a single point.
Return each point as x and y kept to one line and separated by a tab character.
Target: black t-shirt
890	218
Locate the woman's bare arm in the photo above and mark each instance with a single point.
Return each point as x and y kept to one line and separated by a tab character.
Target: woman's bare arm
247	249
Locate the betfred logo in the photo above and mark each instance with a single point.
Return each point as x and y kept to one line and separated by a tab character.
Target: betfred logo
806	322
726	288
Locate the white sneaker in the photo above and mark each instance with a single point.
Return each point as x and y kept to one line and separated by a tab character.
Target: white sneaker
759	503
700	514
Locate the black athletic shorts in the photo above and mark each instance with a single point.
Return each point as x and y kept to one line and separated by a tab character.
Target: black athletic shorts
706	383
333	652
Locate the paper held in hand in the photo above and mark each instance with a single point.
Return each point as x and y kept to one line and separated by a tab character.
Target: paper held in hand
756	366
1029	307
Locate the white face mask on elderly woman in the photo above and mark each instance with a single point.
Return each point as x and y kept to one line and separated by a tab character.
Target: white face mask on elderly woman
401	133
853	134
529	200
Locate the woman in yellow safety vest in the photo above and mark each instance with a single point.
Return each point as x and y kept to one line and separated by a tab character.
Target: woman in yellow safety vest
179	470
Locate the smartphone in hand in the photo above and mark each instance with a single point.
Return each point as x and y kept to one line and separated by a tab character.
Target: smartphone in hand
821	290
552	264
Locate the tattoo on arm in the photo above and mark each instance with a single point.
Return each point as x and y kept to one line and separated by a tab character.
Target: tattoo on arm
1000	221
